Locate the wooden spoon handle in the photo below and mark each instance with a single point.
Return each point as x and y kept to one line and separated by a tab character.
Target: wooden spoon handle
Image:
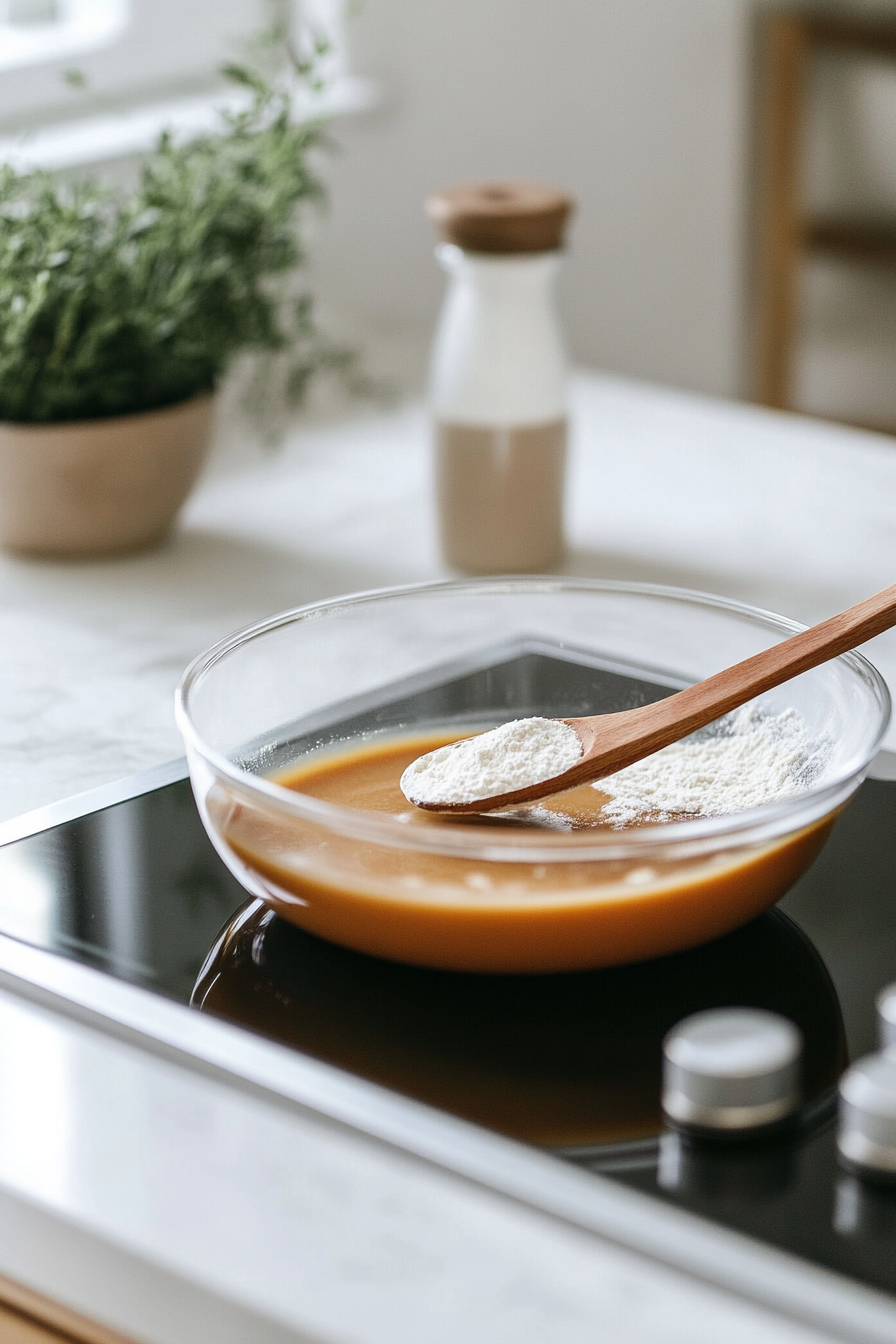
799	653
669	720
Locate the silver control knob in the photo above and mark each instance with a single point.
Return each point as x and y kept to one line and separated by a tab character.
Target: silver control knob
867	1134
886	1016
731	1069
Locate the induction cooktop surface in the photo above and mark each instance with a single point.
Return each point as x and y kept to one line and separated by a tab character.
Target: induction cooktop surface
570	1063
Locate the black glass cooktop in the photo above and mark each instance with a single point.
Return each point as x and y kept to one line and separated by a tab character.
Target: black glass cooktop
567	1062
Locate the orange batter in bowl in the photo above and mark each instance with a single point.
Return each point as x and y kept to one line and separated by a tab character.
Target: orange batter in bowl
487	914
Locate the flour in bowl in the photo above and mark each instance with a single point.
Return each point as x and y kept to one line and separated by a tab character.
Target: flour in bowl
517	754
748	758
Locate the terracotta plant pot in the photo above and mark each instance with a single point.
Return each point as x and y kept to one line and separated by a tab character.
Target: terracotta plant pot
97	487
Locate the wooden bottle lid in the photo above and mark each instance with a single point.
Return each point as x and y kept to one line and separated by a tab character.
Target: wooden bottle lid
501	216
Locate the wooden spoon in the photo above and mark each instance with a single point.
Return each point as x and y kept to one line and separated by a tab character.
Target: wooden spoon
612	741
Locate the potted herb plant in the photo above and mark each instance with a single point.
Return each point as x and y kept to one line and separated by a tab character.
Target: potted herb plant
120	313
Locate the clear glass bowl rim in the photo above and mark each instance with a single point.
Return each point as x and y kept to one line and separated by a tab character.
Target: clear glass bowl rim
663	842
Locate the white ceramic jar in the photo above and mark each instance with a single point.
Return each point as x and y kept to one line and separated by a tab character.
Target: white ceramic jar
499	379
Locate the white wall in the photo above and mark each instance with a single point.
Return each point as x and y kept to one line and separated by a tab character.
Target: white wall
640	108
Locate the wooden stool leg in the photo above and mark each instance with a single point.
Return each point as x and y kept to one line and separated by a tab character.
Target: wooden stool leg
780	231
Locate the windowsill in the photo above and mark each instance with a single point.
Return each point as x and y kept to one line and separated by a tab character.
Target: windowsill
114	135
86	28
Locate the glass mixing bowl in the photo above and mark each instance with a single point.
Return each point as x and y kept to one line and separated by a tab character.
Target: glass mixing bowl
454	658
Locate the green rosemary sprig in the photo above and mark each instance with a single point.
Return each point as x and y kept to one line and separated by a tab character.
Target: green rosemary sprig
114	302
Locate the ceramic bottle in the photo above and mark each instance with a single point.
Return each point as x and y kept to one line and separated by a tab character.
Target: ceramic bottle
498	378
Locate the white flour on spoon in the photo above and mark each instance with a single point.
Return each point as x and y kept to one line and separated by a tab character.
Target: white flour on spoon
517	754
748	758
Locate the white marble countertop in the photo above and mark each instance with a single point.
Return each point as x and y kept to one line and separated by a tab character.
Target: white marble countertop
790	514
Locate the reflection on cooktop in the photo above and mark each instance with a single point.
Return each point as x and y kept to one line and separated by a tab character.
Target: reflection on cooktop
569	1060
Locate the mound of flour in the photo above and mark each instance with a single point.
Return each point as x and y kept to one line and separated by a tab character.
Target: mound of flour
519	753
748	758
